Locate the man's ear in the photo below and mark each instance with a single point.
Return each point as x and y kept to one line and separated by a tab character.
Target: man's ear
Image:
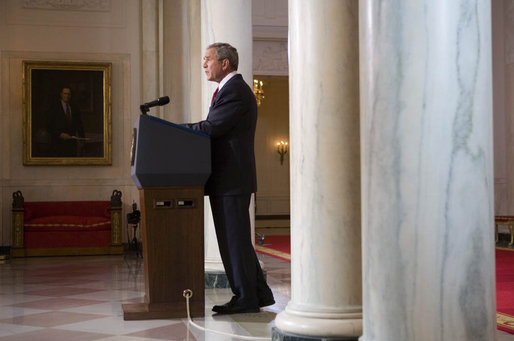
225	64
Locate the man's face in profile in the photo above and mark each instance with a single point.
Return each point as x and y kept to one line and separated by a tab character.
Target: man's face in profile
66	95
214	69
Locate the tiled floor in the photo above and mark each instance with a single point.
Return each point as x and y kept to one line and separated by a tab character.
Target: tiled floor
79	298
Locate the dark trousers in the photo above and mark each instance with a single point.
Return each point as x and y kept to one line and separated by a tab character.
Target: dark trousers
233	231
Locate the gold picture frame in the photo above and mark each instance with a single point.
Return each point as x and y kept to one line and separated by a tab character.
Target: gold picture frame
67	117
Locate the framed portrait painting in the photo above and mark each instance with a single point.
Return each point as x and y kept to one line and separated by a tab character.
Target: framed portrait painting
67	117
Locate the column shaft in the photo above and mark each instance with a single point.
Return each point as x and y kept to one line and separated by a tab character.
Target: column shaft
427	194
150	51
228	21
325	171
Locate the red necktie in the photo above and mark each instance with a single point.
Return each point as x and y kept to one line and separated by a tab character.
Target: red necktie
214	95
68	113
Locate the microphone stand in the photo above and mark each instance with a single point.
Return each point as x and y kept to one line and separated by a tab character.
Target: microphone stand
144	109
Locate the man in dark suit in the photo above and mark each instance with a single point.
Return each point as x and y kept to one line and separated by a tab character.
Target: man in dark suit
64	125
231	124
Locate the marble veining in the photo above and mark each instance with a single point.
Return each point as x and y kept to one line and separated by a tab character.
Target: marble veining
426	138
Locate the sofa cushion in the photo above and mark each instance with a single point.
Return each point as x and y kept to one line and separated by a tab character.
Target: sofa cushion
68	223
66	208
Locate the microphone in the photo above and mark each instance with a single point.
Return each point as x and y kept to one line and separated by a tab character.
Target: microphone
158	102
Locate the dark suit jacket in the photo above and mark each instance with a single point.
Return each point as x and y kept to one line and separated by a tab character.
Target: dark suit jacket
231	124
57	124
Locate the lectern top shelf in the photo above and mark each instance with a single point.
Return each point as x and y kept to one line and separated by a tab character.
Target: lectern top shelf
166	154
174	125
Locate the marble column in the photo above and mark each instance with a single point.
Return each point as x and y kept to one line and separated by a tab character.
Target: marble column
427	175
150	46
326	290
228	21
182	72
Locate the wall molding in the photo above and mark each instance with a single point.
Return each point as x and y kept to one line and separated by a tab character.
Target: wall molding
272	205
69	5
66	13
270	58
508	31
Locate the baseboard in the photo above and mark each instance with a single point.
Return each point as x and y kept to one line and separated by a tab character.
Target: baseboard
66	251
273	217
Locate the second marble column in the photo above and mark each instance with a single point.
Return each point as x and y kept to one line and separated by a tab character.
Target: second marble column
325	171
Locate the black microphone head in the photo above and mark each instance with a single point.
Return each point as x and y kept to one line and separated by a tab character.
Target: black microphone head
159	101
163	100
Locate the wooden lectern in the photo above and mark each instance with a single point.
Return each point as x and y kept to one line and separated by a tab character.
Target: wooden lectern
170	165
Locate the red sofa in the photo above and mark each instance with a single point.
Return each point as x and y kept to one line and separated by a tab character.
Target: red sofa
56	228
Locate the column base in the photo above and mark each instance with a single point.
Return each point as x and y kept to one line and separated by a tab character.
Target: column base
279	335
320	326
216	279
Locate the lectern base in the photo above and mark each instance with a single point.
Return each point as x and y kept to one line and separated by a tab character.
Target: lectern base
172	237
147	311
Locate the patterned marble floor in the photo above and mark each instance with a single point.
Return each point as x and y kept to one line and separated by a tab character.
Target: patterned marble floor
79	298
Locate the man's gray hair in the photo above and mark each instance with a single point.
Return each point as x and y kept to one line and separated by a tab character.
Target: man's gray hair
226	51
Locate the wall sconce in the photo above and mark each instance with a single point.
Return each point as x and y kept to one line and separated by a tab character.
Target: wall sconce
258	91
282	148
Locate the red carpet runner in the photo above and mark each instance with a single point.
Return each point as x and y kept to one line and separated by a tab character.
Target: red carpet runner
280	247
505	289
275	246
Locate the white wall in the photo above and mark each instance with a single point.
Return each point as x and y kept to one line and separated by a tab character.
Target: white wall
67	31
154	48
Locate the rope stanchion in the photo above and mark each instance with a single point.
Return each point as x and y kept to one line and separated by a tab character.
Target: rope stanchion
188	293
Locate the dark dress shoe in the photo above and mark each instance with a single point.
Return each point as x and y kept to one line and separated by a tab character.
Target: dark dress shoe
218	308
235	307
